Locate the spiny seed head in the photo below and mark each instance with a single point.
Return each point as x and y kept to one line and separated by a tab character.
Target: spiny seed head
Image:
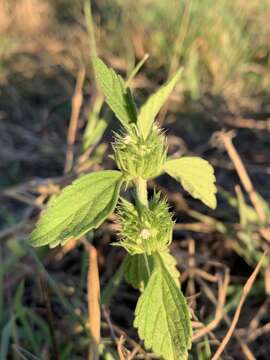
147	230
139	157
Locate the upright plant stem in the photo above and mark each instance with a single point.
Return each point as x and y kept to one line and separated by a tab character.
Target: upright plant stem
136	70
147	265
91	29
141	192
142	197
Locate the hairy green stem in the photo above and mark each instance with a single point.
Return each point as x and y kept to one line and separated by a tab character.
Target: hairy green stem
142	198
147	265
141	192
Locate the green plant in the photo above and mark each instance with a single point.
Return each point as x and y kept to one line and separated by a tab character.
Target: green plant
162	316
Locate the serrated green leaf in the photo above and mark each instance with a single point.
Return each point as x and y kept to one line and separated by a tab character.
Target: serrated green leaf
152	106
196	176
80	207
136	273
117	96
163	318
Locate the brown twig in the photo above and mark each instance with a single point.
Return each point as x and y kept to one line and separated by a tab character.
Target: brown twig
191	263
131	341
245	179
133	353
254	323
73	124
259	332
120	348
93	297
48	305
223	286
246	351
256	124
245	292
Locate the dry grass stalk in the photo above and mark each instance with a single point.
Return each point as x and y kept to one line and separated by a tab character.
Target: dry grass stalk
50	317
223	287
73	124
245	180
245	349
4	16
93	298
236	317
25	16
120	348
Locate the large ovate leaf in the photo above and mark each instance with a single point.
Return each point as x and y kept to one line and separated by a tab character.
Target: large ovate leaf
80	207
196	176
153	105
136	273
117	96
163	318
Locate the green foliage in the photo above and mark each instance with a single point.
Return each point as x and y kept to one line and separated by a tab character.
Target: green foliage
94	131
145	231
162	316
145	227
196	176
79	208
215	54
118	97
153	105
136	272
139	157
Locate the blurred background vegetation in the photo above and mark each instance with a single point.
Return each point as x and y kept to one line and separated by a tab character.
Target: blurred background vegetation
45	49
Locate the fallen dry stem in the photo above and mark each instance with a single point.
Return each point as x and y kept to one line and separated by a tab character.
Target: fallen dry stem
93	297
132	342
259	332
246	351
50	317
245	179
73	124
223	286
120	348
235	319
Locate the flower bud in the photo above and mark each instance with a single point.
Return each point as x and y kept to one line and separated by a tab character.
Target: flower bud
145	231
138	157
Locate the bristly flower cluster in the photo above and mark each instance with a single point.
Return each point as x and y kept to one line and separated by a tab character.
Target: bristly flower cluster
145	231
139	157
